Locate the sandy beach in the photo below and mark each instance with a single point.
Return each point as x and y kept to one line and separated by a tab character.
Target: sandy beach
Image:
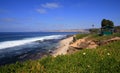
63	47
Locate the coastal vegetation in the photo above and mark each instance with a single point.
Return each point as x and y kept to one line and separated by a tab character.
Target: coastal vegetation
107	23
117	29
80	36
107	28
103	59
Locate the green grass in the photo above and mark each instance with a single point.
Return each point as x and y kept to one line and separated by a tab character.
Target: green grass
80	36
97	37
103	59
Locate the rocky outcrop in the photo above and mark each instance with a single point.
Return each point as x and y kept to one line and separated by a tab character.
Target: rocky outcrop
81	44
84	43
104	42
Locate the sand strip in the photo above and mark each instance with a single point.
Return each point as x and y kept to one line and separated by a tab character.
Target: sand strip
63	47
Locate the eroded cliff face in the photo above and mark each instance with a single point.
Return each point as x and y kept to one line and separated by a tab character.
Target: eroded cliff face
86	43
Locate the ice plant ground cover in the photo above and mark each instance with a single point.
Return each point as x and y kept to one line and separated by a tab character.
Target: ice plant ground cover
103	59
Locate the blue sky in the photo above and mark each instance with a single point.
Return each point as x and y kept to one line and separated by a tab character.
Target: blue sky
37	15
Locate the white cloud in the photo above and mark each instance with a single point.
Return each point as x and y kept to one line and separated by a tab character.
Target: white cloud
44	7
51	5
41	11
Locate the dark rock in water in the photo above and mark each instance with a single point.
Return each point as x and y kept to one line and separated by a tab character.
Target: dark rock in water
39	41
22	56
50	51
34	51
49	40
34	54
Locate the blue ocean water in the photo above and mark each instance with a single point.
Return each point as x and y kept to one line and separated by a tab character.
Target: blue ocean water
7	36
19	46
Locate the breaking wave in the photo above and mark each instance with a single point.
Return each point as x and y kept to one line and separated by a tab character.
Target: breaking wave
14	43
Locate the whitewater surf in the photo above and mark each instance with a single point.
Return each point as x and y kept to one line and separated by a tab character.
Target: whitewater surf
22	46
14	43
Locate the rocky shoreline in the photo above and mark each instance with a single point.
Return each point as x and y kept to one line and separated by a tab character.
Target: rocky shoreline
64	46
35	53
69	46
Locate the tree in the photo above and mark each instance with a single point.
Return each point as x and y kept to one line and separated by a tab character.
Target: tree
107	27
111	23
107	23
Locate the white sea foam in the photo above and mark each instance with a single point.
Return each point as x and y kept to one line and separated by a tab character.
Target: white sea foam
14	43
